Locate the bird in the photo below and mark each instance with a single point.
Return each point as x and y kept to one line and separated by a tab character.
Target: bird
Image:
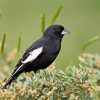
41	53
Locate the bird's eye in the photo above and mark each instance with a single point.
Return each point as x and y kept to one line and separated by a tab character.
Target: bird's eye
58	30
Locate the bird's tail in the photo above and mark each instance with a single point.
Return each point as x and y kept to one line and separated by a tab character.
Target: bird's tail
10	80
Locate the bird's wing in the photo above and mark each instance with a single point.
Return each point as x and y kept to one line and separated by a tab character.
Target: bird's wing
27	58
32	53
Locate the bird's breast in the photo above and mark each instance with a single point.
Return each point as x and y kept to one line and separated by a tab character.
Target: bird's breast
53	49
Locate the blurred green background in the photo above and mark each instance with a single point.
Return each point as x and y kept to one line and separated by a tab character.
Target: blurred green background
81	17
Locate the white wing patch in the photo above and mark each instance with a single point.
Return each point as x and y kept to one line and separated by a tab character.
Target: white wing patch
33	55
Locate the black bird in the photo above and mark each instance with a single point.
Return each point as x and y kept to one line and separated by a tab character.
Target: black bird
41	53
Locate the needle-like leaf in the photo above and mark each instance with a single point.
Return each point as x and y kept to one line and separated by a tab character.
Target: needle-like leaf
3	44
56	15
89	42
42	23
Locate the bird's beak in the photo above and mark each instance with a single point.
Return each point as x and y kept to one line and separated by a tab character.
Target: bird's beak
64	32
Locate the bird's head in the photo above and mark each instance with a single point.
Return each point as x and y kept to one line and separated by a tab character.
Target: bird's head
56	31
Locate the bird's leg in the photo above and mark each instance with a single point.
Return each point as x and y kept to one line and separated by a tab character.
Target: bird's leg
38	76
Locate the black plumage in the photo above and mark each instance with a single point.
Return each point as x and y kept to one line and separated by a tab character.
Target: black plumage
41	53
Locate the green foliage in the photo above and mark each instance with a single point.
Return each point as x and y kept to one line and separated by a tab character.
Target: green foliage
2	44
89	42
81	82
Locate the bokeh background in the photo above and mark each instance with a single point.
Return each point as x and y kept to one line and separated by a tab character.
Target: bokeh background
81	17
